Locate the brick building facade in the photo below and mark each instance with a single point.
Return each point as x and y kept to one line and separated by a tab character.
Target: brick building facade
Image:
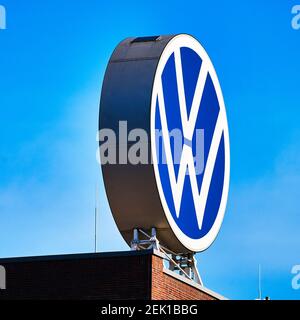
117	276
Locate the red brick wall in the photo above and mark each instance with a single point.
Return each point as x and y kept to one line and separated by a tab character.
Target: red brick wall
165	287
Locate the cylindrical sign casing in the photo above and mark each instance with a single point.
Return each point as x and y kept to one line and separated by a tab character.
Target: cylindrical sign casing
126	105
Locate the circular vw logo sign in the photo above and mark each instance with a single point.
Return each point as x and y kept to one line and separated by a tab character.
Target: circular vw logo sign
190	142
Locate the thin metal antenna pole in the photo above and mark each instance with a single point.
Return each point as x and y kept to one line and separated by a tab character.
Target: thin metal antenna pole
96	213
95	229
259	282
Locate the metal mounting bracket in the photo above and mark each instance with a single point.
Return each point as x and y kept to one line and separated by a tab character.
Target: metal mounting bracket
184	264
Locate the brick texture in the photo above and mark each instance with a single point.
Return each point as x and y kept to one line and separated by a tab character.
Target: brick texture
166	287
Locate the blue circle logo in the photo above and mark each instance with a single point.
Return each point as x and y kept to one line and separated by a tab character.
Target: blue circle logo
190	142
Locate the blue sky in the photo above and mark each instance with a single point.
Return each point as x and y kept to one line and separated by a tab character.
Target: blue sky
52	60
